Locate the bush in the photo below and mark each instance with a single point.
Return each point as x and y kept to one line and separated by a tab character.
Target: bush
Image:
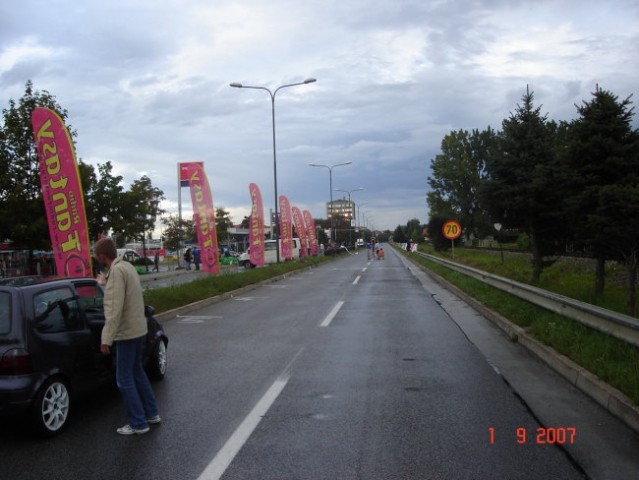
523	242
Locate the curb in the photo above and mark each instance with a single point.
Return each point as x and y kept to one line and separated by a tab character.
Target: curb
614	401
170	314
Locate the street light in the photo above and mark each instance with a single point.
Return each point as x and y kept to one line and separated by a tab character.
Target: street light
359	223
350	228
272	95
330	183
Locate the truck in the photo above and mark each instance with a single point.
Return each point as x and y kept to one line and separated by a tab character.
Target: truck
270	254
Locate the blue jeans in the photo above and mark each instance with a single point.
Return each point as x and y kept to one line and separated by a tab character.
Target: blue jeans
133	383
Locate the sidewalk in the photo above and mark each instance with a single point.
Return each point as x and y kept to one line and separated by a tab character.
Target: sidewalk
167	277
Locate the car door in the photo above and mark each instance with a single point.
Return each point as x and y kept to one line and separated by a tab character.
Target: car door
90	297
64	341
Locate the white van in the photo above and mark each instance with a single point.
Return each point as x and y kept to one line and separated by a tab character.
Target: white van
270	254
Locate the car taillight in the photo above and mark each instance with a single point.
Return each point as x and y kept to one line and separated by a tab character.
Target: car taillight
16	362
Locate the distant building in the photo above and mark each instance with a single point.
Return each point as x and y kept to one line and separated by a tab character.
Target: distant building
340	208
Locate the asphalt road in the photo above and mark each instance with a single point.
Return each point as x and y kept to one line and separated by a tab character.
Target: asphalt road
351	370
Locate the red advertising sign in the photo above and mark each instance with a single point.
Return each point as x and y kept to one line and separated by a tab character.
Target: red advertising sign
298	220
256	228
62	194
286	228
204	214
311	233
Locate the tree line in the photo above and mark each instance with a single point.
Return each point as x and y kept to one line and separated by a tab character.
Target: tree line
569	187
127	214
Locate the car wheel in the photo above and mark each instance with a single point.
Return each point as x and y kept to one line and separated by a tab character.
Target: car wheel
158	362
51	407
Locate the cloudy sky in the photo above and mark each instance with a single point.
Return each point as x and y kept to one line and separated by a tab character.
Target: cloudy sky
146	85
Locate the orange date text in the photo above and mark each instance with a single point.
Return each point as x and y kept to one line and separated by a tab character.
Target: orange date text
540	436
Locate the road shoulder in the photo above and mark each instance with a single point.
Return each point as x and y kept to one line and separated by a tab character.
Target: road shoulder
605	447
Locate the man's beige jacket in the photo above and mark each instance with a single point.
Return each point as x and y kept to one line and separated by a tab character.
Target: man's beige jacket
123	304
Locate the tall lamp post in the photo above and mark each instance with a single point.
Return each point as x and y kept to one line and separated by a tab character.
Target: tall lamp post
330	183
350	228
272	95
359	223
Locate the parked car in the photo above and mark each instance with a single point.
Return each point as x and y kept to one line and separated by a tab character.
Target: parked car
335	250
50	334
133	257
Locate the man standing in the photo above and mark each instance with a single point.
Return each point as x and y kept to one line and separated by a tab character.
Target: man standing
196	258
125	330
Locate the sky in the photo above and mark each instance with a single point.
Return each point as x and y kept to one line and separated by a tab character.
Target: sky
146	86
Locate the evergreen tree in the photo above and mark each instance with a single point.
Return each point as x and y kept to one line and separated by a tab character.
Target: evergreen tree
524	187
602	153
400	235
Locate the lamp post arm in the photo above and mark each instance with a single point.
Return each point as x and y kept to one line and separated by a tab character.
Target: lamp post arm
272	95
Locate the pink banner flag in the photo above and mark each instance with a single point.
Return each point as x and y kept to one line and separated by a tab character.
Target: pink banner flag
298	220
62	194
311	233
286	228
204	214
256	228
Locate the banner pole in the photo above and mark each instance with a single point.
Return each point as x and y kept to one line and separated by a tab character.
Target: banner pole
179	185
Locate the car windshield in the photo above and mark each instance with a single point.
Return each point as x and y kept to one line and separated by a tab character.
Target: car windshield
5	313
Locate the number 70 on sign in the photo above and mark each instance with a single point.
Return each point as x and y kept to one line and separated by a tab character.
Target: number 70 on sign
451	229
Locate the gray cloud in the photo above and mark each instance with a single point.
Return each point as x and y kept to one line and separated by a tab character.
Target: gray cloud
146	84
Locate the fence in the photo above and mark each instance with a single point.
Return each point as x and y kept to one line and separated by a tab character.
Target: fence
618	325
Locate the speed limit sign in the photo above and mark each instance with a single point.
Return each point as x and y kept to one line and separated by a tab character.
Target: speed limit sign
451	229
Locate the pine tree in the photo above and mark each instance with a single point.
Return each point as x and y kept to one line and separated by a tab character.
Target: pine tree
602	152
523	188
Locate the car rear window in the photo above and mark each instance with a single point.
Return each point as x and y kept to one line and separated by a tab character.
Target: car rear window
5	313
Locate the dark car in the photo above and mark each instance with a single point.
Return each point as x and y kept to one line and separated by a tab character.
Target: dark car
50	332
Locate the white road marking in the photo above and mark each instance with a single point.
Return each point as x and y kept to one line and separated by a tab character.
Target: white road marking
327	321
355	282
196	318
234	444
225	456
246	299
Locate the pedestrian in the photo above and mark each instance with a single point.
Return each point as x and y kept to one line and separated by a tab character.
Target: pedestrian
196	258
188	256
156	262
125	330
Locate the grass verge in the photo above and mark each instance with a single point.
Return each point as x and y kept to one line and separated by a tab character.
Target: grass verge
164	299
612	360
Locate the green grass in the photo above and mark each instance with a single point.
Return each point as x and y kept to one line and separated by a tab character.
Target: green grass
612	360
571	277
164	299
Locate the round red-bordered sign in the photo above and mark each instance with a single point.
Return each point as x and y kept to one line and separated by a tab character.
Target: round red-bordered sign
451	229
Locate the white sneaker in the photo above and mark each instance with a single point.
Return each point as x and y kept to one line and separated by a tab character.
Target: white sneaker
154	420
129	430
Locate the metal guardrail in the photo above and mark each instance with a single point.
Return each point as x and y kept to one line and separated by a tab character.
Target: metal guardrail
623	327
